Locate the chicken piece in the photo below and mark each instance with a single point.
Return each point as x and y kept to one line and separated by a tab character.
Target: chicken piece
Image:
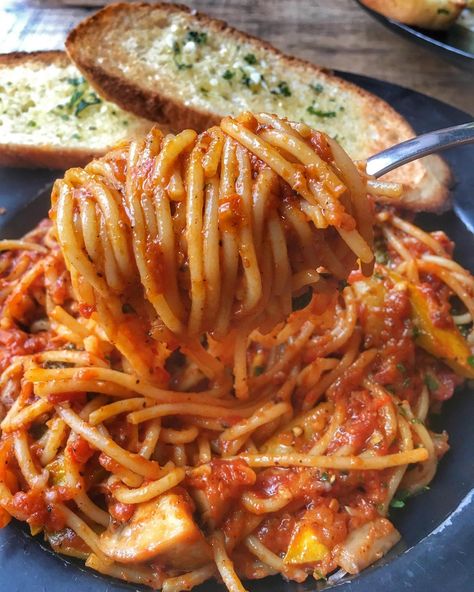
163	529
367	544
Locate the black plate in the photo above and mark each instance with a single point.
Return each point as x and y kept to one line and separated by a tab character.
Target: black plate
437	527
456	44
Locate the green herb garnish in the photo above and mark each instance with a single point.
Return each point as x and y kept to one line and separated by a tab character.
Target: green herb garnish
176	53
470	361
318	88
443	11
228	75
282	89
401	368
250	59
324	476
258	370
198	37
320	113
127	308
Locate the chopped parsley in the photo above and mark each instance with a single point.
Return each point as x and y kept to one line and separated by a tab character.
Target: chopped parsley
258	370
176	53
282	89
127	308
416	332
84	103
76	81
397	503
32	124
250	59
443	11
302	301
245	78
198	37
324	476
228	75
318	88
319	113
470	361
431	382
204	90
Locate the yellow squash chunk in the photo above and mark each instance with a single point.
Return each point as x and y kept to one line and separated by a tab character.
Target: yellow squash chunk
305	547
447	344
164	528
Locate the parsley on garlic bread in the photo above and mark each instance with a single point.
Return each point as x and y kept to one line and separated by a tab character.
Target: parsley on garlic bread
51	117
187	70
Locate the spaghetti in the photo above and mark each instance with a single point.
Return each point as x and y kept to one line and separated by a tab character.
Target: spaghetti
127	441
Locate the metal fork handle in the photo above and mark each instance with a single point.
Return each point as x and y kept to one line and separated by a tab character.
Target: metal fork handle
436	141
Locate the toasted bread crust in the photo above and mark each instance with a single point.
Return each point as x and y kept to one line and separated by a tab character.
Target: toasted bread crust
34	57
164	108
47	157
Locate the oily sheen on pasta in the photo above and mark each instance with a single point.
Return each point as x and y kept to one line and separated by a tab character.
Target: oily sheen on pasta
176	407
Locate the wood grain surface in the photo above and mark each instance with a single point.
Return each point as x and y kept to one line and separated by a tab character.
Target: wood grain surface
337	34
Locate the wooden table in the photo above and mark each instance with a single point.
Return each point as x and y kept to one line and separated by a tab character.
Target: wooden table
335	33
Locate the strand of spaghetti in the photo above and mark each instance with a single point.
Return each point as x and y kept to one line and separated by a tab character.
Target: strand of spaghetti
26	416
224	564
91	510
43	389
419	234
263	553
194	223
59	315
248	256
212	264
384	188
129	460
32	476
82	530
240	365
184	436
150	440
258	505
398	246
23	245
336	462
127	381
56	435
80	358
136	574
263	415
150	490
112	409
189	580
321	445
197	409
450	265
